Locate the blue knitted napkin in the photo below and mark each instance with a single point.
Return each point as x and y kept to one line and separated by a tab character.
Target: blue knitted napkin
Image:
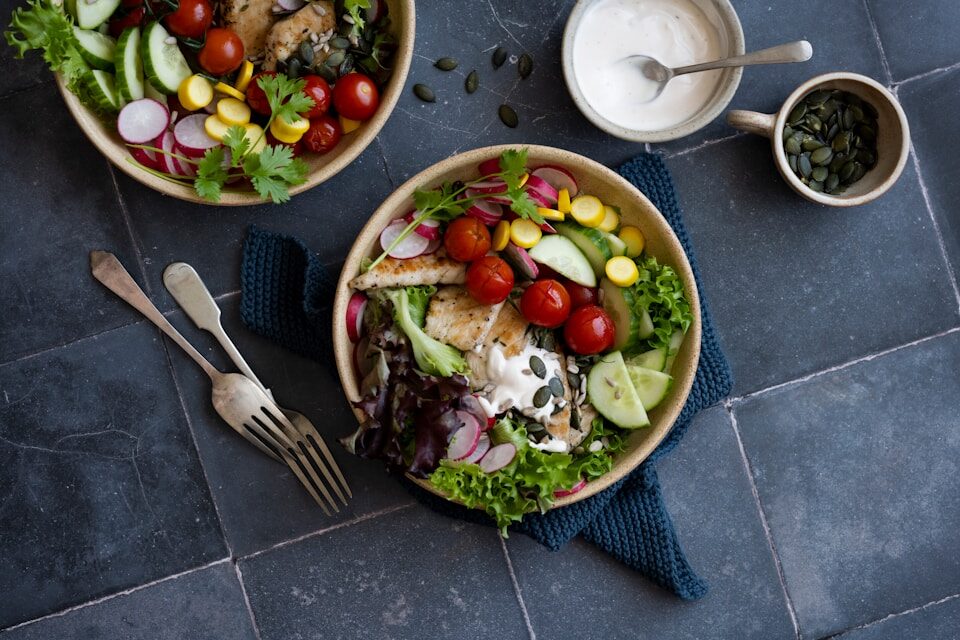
286	296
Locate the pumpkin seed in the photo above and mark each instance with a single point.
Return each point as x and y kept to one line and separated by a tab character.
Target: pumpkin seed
811	144
542	397
803	163
539	369
339	43
525	65
819	174
815	186
346	66
446	64
857	112
282	66
818	97
499	57
812	122
822	156
837	162
549	342
846	172
556	387
335	59
792	147
831	183
797	114
573	379
848	119
868	158
787	132
833	130
424	92
575	420
293	67
326	73
535	427
472	82
858	171
508	116
841	142
306	52
792	161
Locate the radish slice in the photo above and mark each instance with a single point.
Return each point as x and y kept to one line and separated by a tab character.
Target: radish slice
498	457
540	200
470	193
355	309
560	493
191	136
558	178
410	247
465	439
186	169
291	5
544	188
490	423
146	157
485	211
546	227
490	186
167	161
520	260
433	246
483	445
142	121
489	167
429	228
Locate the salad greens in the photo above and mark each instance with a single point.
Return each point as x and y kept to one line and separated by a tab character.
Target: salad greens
409	311
526	484
660	291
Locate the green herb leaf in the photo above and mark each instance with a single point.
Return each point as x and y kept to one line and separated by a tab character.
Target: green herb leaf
211	176
239	144
285	96
272	170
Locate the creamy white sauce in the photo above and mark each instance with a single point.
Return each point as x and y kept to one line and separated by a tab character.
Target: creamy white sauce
675	32
514	384
552	445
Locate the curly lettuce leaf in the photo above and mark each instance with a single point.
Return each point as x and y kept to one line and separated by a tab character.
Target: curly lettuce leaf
660	291
409	311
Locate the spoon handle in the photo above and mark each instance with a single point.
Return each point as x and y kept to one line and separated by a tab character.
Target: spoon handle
799	51
108	270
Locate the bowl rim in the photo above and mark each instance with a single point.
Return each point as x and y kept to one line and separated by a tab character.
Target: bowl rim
697	122
112	149
397	201
780	157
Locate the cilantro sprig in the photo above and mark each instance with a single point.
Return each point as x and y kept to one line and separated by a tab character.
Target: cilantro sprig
449	200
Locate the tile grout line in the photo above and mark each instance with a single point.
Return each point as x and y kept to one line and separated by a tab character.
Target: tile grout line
516	588
386	165
876	36
704	145
319	532
118	594
128	222
927	74
763	520
246	600
890	616
15	92
841	366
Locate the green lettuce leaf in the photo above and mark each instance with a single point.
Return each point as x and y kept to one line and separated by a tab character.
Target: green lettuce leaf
660	291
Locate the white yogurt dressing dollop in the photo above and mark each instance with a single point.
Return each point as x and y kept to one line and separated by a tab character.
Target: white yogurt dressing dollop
675	32
514	384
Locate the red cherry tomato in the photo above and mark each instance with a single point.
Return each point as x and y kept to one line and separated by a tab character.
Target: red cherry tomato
131	19
355	96
589	330
545	303
579	295
466	239
222	52
323	135
489	280
191	19
319	91
130	4
256	98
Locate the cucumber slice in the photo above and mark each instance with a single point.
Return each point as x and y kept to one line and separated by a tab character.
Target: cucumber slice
629	328
617	246
592	242
655	359
91	15
150	92
560	254
651	386
612	394
676	339
163	64
129	65
103	90
97	49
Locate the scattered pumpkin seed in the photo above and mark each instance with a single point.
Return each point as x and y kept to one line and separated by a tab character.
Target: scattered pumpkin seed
573	379
811	144
499	57
797	114
575	420
424	92
556	387
819	174
803	163
525	65
846	172
306	52
792	147
326	73
792	161
831	183
787	132
347	65
446	64
822	156
293	67
542	397
815	186
508	116
339	43
539	369
472	82
336	59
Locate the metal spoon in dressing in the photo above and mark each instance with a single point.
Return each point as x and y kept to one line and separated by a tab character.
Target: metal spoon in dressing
658	75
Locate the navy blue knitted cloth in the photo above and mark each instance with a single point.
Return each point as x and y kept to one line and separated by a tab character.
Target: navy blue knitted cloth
286	296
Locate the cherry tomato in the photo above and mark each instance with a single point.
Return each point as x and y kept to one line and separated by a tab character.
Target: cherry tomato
467	239
296	147
256	98
579	295
545	303
131	4
589	330
489	280
319	91
323	135
191	19
222	52
355	96
131	19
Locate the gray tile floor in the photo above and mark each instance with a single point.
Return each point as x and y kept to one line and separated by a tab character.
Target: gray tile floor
818	502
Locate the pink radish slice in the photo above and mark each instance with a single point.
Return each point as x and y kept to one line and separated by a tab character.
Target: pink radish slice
489	167
146	157
486	212
520	260
540	200
142	120
410	247
429	228
355	309
498	457
191	136
184	168
490	186
483	445
544	188
490	423
558	178
546	227
212	107
167	161
470	193
433	246
560	493
465	439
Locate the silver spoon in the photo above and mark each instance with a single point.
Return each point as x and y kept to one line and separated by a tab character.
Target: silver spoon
653	69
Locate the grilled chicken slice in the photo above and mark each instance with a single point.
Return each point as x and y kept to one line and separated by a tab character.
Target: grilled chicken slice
287	34
509	331
251	20
455	318
559	423
435	268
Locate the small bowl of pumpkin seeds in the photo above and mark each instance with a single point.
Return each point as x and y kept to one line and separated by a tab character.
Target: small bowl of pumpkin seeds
840	139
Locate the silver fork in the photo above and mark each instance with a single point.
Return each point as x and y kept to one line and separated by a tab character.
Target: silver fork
240	402
188	289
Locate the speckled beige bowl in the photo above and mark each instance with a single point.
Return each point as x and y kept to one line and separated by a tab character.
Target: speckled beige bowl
322	167
893	137
722	13
595	179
